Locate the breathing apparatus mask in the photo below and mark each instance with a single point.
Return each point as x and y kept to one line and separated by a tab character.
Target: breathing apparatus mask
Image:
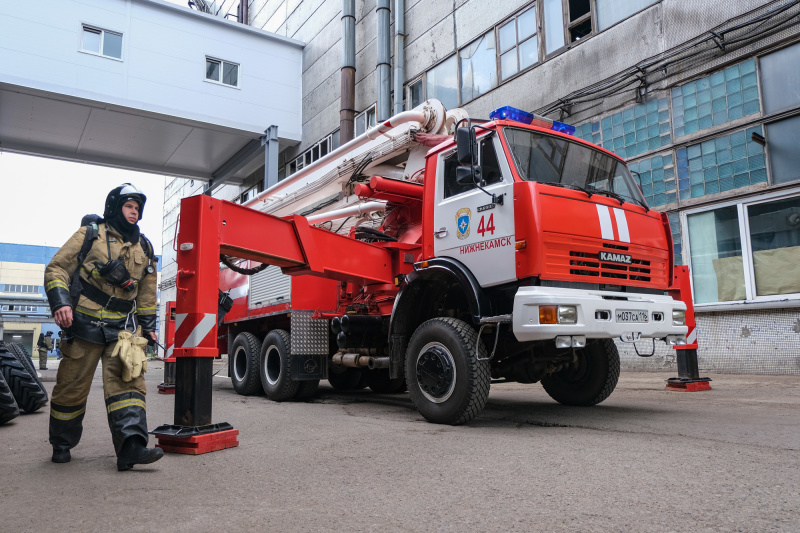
116	273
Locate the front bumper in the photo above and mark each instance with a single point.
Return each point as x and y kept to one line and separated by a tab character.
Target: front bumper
597	317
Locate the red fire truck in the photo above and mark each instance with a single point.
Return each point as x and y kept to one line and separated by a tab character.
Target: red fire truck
510	251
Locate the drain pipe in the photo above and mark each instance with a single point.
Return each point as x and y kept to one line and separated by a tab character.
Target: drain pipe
399	53
384	67
347	103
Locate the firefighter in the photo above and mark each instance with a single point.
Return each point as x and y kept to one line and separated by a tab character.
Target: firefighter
44	345
117	285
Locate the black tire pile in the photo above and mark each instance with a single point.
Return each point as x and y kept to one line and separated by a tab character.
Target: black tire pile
20	387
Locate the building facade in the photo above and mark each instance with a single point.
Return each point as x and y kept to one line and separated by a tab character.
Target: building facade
701	98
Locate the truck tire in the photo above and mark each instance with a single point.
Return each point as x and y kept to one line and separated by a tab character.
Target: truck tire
591	380
446	382
26	387
344	378
9	410
306	389
379	381
23	357
275	367
244	364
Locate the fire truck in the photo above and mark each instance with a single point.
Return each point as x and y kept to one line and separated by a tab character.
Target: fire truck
509	251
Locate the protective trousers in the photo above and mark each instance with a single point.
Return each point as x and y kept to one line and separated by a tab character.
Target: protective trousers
42	359
125	402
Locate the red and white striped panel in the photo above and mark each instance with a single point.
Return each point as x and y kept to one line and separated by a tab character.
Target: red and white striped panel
192	330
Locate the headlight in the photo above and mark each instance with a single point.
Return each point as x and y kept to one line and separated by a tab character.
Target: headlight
678	317
567	314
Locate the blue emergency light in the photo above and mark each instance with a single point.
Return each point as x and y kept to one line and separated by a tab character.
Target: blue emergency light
517	115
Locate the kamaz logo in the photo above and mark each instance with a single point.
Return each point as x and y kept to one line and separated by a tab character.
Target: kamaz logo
616	258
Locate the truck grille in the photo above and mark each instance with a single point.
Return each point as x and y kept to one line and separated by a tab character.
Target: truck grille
589	264
574	256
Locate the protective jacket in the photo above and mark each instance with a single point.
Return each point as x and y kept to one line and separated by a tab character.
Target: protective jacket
95	322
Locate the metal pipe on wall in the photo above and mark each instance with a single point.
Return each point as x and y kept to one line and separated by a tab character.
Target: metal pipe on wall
399	53
347	102
384	67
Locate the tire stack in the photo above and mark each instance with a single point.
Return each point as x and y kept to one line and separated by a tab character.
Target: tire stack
20	387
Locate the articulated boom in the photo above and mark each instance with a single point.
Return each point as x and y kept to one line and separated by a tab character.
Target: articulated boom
212	227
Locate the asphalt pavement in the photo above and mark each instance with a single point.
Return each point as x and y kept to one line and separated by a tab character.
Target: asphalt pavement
645	460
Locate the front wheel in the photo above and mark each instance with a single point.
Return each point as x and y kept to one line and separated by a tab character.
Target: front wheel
590	379
446	382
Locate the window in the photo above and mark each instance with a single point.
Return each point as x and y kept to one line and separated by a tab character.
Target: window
726	95
21	288
442	83
551	159
784	158
249	194
317	151
223	72
414	95
366	120
101	42
478	67
721	164
518	45
553	25
20	308
657	177
746	251
780	79
580	19
489	165
609	12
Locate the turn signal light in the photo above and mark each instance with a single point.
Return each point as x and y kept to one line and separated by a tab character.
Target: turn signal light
520	245
548	314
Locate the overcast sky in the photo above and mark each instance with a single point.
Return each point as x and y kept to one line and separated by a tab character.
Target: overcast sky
43	200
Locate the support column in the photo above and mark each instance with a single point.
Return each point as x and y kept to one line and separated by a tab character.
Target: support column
271	144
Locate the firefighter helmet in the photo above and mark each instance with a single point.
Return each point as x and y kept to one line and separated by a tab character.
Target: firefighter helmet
119	195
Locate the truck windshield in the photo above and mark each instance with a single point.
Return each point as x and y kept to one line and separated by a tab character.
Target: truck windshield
554	160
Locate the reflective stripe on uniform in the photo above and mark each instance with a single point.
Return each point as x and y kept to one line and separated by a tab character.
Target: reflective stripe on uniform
122	404
58	415
146	310
102	313
55	283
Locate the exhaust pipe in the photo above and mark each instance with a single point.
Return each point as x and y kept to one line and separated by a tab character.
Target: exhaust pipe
352	360
375	363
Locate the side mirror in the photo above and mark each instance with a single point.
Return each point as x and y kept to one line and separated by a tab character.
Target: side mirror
468	175
467	146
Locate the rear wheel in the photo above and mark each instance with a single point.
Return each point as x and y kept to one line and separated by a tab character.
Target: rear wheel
244	364
24	358
588	381
446	382
275	367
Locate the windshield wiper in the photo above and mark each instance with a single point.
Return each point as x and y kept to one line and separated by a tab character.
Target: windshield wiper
619	197
568	186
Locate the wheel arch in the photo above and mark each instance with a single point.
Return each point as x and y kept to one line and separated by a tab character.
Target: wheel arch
425	284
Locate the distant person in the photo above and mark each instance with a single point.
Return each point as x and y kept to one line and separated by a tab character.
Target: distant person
117	284
58	344
44	345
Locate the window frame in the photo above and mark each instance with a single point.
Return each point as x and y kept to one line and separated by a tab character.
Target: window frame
222	63
102	31
752	300
370	116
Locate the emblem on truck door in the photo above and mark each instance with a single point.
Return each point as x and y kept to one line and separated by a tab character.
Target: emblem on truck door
462	222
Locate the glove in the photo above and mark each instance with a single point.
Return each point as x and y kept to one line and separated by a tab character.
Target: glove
138	357
123	350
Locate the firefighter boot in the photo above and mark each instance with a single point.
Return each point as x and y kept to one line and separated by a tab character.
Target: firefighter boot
66	427
127	420
136	452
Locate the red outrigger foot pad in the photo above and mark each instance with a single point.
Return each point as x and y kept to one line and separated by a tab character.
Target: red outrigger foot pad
688	387
195	445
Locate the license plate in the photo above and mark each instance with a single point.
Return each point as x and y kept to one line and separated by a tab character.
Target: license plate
631	316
